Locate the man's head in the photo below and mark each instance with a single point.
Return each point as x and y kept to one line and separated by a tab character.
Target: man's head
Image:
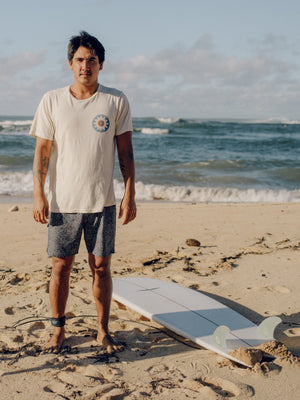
88	41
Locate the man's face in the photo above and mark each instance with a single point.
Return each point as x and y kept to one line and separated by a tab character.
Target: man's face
85	66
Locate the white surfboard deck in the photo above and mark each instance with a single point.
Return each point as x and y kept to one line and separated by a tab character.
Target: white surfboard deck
193	315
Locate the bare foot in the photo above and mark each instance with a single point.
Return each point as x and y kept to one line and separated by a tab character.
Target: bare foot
112	346
55	343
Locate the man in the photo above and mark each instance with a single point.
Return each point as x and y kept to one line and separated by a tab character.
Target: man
76	130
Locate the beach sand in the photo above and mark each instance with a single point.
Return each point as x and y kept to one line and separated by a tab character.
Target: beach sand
248	258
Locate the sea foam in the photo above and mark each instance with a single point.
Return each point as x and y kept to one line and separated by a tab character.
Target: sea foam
167	120
8	123
154	131
21	184
151	192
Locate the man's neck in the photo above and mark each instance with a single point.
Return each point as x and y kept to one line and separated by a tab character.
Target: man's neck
82	92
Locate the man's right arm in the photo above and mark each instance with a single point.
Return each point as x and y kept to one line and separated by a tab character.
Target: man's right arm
40	169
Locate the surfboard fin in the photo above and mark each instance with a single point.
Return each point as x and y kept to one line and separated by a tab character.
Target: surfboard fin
219	337
267	327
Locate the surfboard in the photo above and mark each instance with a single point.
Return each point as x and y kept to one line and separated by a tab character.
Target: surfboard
193	315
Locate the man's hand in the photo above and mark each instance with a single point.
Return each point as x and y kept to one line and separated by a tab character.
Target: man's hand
41	210
127	210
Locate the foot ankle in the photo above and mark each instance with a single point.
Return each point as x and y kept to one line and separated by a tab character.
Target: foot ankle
56	341
112	345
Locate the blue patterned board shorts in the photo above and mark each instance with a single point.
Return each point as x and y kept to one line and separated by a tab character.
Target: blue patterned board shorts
65	232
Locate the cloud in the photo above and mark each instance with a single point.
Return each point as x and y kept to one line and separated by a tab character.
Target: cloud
195	80
201	79
11	66
201	64
270	44
24	79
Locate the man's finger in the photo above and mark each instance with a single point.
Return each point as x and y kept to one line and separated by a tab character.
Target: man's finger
129	216
40	216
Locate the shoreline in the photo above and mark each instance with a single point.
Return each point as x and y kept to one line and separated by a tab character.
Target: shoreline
18	199
8	199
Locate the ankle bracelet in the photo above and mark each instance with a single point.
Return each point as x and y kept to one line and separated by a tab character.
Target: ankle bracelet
58	322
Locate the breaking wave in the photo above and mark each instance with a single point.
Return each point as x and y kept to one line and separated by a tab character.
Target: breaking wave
195	194
21	184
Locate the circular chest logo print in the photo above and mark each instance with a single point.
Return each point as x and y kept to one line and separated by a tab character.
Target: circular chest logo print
101	123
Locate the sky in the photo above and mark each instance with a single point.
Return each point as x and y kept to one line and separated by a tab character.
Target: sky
190	59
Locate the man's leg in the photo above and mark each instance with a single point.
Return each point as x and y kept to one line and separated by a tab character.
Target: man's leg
102	290
59	291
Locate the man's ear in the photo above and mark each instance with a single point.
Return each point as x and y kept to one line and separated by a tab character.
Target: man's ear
101	66
70	65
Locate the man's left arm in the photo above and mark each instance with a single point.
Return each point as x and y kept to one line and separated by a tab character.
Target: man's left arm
126	161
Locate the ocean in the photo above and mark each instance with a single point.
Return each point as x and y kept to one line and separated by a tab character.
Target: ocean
189	160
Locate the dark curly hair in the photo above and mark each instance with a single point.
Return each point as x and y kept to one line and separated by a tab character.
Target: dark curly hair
86	40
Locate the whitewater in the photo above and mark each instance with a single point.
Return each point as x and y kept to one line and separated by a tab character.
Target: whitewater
189	160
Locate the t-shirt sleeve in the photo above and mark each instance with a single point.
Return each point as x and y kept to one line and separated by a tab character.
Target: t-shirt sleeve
123	119
42	125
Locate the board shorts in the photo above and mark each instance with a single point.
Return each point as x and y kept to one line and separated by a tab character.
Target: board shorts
65	232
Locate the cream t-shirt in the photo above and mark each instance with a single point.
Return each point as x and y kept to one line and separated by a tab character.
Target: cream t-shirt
83	149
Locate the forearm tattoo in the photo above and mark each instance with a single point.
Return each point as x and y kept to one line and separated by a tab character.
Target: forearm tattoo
126	164
123	168
40	168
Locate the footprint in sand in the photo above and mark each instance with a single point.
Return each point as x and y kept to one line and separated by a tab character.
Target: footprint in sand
12	339
157	369
58	388
200	367
292	332
93	371
37	326
10	310
84	298
77	379
224	388
40	286
20	277
278	289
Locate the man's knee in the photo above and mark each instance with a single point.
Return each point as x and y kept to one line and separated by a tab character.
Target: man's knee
62	267
101	266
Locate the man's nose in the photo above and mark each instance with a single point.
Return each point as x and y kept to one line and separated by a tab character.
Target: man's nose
85	64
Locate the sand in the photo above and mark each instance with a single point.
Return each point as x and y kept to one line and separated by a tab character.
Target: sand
247	256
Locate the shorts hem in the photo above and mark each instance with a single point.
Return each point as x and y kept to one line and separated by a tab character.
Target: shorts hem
61	256
102	256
